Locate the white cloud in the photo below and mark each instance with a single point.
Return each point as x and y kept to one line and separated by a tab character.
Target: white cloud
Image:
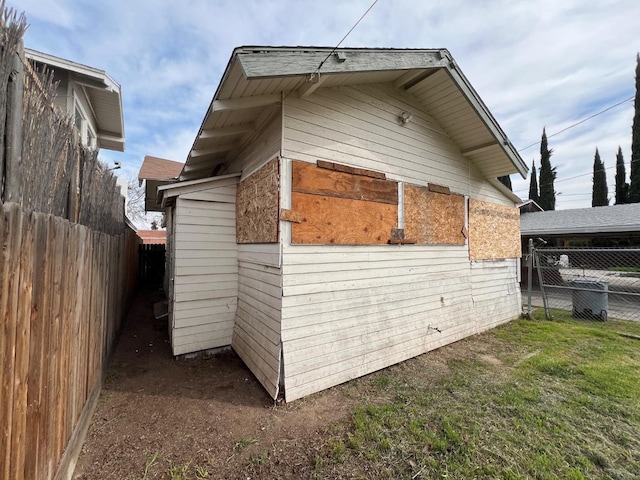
535	64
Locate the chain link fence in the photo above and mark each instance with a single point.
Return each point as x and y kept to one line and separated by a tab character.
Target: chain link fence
591	283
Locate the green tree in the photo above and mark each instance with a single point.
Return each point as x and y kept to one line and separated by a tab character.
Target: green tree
506	181
533	184
547	176
622	187
634	175
600	193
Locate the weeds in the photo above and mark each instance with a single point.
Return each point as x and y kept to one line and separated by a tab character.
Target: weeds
244	443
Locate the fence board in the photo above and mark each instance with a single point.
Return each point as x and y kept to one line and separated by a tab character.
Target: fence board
21	374
62	295
11	246
36	404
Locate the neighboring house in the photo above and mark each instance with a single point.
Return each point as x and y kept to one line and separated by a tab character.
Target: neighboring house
616	225
88	94
152	237
329	224
529	206
157	172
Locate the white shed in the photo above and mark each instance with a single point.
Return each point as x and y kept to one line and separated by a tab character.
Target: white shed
339	212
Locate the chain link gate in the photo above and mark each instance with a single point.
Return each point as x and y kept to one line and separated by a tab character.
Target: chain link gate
591	283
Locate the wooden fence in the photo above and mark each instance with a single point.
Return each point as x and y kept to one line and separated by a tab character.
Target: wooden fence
63	293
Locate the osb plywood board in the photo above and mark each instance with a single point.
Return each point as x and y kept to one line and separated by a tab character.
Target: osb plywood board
341	221
433	218
257	206
308	178
494	231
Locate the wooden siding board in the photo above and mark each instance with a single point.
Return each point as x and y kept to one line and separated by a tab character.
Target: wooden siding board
347	311
256	335
306	115
205	270
357	107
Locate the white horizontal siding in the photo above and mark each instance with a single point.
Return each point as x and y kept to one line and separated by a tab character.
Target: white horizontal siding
256	336
350	310
265	146
358	126
205	277
496	292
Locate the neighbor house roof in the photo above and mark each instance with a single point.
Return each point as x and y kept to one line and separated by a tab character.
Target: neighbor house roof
153	237
257	78
581	221
103	92
529	206
157	172
154	168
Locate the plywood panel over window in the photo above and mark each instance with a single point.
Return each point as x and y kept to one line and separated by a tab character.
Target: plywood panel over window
341	208
257	206
433	217
494	231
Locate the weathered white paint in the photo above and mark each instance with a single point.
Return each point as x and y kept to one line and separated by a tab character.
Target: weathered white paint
311	316
358	126
262	147
256	334
350	310
205	268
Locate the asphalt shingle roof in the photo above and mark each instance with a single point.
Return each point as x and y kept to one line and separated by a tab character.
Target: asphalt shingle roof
613	219
154	168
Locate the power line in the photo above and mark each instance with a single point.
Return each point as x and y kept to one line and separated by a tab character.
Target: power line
345	37
580	122
567	179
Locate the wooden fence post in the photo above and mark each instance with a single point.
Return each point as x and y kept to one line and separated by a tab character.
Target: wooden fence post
15	91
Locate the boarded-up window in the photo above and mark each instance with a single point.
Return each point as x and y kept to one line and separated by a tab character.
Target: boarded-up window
494	231
257	206
433	218
336	207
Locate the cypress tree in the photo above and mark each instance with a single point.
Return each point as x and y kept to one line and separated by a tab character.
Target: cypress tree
634	175
533	185
600	192
506	181
547	176
622	188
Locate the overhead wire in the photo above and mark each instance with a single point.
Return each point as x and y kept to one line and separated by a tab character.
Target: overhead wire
565	179
568	128
317	70
580	122
347	34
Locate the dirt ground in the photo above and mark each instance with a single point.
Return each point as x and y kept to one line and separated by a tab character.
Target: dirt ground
208	417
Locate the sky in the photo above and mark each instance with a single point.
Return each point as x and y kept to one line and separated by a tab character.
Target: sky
535	64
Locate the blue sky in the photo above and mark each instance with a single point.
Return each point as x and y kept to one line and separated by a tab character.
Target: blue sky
543	63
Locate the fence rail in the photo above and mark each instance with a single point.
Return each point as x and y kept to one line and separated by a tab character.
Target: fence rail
63	291
592	283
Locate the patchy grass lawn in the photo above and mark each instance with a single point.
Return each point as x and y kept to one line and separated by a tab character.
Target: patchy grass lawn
554	399
530	399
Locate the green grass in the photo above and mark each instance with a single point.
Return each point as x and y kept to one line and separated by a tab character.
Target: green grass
625	269
564	402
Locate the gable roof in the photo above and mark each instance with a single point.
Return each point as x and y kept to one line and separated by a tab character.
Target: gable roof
155	168
580	221
103	92
257	78
157	172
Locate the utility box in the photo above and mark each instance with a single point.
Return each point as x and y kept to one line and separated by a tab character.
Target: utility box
590	298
